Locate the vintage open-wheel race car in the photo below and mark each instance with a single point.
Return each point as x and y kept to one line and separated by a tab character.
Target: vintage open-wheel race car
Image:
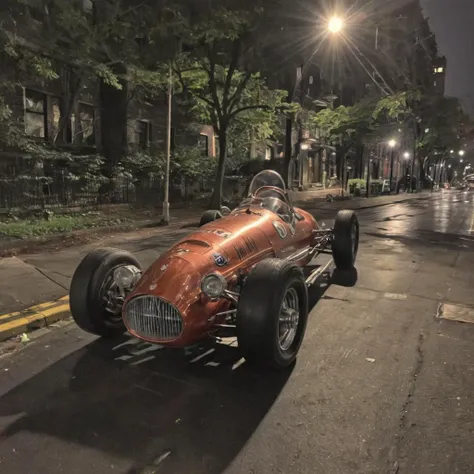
239	274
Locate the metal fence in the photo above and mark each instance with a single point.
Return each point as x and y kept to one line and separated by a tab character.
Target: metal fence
30	193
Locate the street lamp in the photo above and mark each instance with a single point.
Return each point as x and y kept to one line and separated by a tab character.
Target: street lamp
392	143
406	155
462	152
335	24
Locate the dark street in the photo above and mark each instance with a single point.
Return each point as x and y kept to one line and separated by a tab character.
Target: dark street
382	383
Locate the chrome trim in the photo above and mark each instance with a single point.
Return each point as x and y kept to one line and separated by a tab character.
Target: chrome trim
151	317
318	272
232	296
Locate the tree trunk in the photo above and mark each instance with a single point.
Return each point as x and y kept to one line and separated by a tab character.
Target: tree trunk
359	161
216	200
114	145
288	151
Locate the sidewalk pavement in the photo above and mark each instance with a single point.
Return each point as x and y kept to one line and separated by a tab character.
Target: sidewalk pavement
34	287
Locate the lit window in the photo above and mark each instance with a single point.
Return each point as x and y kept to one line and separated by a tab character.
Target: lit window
439	69
35	114
55	119
86	132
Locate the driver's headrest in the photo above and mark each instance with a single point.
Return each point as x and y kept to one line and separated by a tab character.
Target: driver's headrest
270	193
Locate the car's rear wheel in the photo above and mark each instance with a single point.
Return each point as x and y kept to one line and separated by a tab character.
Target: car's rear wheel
94	297
346	240
272	314
209	216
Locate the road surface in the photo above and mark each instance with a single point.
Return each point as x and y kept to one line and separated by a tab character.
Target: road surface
383	382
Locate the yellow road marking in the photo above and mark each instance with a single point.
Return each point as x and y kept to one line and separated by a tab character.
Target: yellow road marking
18	323
34	309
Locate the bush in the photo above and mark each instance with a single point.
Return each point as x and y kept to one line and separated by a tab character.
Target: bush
356	186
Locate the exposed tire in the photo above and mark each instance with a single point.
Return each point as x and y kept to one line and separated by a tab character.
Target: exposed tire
209	216
346	240
260	330
86	292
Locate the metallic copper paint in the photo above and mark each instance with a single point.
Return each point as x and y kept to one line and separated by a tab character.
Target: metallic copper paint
188	261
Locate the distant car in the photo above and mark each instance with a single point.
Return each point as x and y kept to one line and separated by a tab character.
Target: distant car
240	273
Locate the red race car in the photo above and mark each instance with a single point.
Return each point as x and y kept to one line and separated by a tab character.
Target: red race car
240	273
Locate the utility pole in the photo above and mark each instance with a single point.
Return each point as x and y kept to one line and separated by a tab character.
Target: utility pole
166	204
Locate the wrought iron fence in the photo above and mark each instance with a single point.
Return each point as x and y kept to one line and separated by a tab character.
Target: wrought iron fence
39	192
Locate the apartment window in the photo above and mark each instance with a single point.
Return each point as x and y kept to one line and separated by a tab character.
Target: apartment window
86	132
56	117
204	144
143	134
35	114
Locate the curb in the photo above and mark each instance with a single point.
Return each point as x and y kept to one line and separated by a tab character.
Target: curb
35	317
370	206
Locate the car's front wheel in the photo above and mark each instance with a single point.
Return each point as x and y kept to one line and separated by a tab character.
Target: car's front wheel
345	244
94	298
272	314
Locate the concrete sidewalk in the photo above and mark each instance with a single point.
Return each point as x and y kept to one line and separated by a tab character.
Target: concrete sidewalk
43	275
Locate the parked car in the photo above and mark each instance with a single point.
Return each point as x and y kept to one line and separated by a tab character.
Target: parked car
240	273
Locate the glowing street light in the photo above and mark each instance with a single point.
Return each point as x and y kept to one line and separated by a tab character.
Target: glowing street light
451	151
335	24
392	143
406	155
462	152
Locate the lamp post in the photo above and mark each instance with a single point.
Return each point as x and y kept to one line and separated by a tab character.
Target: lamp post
166	204
406	155
392	143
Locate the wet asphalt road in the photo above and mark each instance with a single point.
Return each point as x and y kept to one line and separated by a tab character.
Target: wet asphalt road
382	383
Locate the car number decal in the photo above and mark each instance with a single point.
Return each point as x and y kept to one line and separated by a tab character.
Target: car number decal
280	228
220	260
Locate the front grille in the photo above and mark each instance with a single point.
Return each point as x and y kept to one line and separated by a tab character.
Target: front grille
151	317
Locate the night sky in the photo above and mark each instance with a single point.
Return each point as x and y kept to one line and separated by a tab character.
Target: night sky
453	23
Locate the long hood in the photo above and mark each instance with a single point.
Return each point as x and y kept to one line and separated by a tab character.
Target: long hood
222	246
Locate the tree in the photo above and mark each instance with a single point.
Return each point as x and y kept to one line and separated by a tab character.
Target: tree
106	45
212	75
345	127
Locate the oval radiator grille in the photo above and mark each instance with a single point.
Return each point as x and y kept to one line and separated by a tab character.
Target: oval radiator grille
152	317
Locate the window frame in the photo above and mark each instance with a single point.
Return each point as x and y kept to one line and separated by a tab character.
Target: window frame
78	137
44	113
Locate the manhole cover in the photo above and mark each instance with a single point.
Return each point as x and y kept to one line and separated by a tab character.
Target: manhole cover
453	312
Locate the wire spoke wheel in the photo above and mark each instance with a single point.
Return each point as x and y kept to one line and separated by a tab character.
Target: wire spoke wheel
288	320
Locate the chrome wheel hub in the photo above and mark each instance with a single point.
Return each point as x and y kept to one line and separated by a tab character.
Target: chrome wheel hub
288	319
